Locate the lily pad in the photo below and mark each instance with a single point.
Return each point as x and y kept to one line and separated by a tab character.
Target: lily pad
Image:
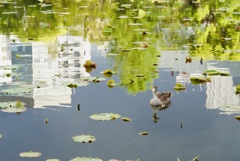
211	72
98	79
107	31
199	80
224	74
195	159
52	160
16	90
105	116
30	154
108	73
13	107
83	138
111	83
10	67
85	159
179	87
141	13
237	117
237	89
143	133
75	84
126	119
0	136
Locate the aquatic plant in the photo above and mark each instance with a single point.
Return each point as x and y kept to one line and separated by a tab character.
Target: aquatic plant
105	116
30	154
83	138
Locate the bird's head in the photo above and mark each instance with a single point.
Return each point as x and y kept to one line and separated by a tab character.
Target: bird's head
154	89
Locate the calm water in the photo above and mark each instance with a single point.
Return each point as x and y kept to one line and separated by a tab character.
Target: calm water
197	123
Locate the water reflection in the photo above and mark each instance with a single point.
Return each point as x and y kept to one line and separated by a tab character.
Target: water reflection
156	108
50	63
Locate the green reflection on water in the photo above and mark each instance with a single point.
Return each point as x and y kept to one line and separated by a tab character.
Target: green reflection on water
209	29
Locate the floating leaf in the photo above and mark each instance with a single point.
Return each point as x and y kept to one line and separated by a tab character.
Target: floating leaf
53	160
237	89
30	154
237	117
13	107
83	138
195	159
105	116
126	119
141	13
90	63
85	159
16	90
199	80
179	87
108	73
107	31
0	136
143	133
75	84
211	72
224	74
111	83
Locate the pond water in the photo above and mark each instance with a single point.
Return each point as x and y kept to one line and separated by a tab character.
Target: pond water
44	50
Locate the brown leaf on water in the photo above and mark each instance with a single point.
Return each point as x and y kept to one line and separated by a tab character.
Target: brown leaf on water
237	117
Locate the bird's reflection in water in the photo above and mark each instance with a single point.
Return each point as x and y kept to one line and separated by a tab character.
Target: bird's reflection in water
156	108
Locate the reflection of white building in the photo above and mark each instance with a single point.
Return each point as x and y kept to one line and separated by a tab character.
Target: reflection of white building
65	66
176	61
5	58
220	92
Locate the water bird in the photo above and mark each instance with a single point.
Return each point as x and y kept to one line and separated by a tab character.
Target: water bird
162	99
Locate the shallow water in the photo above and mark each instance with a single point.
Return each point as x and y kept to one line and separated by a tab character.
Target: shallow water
199	122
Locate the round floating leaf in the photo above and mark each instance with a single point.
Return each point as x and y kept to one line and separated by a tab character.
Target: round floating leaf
94	79
237	117
53	160
7	104
13	107
126	119
75	84
141	13
108	73
195	159
30	154
179	87
237	89
104	116
85	159
0	136
16	90
107	31
143	133
83	138
211	72
111	83
197	80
